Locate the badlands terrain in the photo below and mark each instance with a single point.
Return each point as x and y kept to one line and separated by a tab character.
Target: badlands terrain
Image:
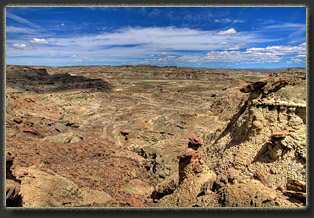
147	136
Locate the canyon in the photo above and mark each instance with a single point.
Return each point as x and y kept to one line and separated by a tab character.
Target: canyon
157	137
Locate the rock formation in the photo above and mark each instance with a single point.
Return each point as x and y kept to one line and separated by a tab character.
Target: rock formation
193	174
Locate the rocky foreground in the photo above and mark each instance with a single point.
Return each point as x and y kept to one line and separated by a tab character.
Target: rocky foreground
145	136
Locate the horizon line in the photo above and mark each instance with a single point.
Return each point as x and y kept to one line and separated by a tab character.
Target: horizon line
263	68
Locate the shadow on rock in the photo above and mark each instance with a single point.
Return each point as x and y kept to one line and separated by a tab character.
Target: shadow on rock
38	80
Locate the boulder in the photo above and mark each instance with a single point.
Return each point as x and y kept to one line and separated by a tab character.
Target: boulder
136	186
48	189
186	153
247	195
166	187
221	181
194	142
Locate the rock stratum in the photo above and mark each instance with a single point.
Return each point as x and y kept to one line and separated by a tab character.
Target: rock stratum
161	137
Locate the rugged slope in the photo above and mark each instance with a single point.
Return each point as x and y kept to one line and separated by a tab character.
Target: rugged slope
264	142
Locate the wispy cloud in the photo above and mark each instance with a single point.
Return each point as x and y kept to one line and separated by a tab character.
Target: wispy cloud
228	20
21	20
286	26
14	29
155	38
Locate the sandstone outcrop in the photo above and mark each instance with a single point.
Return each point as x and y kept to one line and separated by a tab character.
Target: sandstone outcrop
193	174
48	189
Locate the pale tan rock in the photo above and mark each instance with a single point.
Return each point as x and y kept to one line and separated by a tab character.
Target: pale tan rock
136	186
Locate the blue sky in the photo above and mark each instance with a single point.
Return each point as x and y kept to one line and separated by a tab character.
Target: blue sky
213	37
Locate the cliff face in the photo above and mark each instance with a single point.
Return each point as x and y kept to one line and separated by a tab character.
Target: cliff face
265	141
246	143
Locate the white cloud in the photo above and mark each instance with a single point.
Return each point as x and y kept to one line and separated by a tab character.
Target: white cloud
270	54
241	56
227	32
21	46
161	45
39	41
282	49
156	39
62	24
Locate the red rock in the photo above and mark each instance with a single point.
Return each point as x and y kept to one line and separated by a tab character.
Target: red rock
133	202
120	165
296	185
186	153
300	195
278	135
31	130
194	142
17	120
65	201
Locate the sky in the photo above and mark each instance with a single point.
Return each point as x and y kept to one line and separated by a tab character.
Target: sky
205	37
